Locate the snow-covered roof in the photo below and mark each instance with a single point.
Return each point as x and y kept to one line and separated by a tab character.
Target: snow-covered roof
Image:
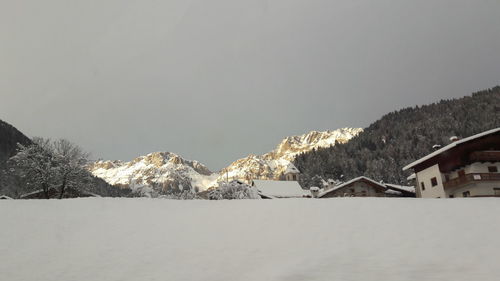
450	146
392	192
314	188
400	187
412	177
291	169
350	182
5	197
31	193
280	189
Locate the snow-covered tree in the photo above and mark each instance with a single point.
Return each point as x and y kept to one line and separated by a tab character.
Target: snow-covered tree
317	180
36	165
70	165
47	165
234	190
186	194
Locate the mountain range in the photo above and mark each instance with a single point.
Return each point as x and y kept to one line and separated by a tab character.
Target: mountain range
161	172
155	173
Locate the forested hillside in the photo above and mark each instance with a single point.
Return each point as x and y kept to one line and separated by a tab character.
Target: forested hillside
9	138
401	137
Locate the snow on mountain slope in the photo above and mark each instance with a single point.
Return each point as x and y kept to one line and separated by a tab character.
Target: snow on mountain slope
160	171
155	172
271	165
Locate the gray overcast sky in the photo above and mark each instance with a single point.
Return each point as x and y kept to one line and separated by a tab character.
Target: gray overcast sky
215	80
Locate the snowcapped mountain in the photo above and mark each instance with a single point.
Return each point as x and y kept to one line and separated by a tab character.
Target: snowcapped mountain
155	173
161	171
272	165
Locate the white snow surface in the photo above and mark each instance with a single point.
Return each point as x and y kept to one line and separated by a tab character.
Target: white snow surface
280	189
296	239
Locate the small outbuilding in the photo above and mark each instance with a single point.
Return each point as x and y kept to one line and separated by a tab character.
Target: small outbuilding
5	197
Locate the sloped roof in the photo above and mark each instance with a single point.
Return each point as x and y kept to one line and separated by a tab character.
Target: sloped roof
450	146
291	169
393	192
403	188
350	182
412	177
280	189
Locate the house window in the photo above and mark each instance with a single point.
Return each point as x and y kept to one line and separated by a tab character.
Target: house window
452	196
447	177
352	190
294	177
466	194
461	173
434	181
497	191
422	185
493	169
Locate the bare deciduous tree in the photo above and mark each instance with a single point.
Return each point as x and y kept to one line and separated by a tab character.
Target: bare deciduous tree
50	165
35	165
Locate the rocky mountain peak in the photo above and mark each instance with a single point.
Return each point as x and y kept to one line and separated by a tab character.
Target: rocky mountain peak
272	165
156	172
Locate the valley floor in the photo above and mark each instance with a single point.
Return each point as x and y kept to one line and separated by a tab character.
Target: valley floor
297	239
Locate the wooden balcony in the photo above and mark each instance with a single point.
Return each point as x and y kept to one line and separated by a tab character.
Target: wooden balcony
469	178
485	156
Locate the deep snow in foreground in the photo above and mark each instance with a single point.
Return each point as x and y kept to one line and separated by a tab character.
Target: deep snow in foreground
296	239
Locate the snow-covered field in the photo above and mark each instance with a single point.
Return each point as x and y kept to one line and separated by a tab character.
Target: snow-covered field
297	239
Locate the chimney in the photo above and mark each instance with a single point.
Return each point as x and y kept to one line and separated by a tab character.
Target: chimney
436	146
314	191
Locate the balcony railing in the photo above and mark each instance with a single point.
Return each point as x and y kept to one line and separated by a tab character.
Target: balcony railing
474	177
485	156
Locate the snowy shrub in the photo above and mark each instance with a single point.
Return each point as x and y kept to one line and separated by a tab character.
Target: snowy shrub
233	190
180	192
